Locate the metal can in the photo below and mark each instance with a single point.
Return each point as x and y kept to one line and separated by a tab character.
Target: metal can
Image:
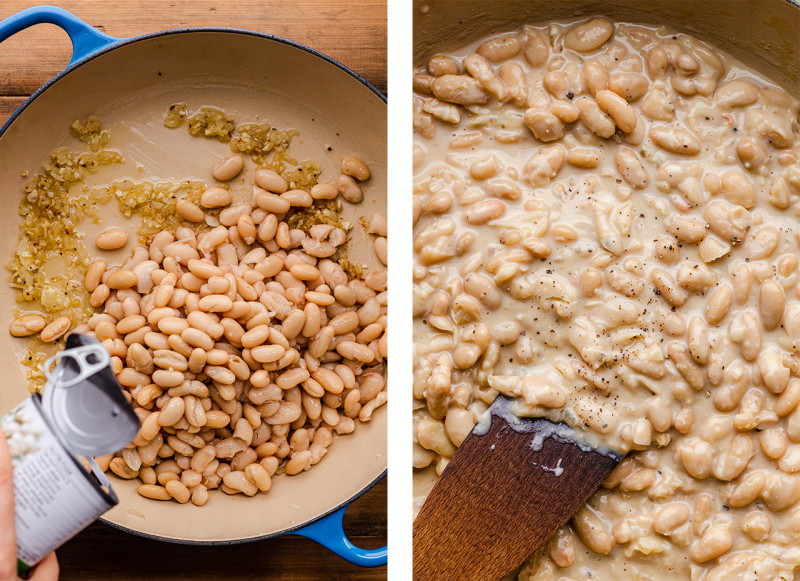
58	487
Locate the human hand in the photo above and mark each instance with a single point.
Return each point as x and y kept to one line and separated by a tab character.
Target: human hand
47	570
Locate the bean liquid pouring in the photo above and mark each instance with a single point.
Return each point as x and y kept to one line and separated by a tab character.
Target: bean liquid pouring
53	437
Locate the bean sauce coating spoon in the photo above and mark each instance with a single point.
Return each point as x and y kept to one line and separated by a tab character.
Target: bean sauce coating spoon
502	495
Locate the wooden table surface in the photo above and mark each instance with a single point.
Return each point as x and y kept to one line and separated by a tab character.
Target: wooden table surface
352	32
102	553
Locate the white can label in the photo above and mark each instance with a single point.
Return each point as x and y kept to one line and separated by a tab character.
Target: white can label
53	496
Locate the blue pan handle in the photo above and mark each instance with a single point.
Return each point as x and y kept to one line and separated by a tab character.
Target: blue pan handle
85	38
329	533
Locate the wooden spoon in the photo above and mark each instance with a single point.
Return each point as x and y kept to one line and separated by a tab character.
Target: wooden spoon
503	494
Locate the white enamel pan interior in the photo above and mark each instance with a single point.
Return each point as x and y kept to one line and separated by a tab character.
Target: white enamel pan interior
129	85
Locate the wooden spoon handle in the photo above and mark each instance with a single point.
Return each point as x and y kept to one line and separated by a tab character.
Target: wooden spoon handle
499	499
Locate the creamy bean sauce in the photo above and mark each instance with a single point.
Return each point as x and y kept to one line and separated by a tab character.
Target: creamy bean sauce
606	230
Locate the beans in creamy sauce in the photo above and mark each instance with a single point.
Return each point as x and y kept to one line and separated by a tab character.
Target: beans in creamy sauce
606	230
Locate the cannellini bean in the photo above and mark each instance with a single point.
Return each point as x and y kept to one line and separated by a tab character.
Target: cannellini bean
459	89
446	112
259	476
780	491
595	120
544	125
747	490
618	109
178	491
735	458
153	492
757	526
788	399
354	167
737	188
27	325
382	250
237	481
630	168
657	61
94	275
500	48
624	282
583	158
270	181
122	279
322	191
517	90
742	282
353	350
592	531
556	84
228	168
349	189
674	139
670	517
111	239
656	106
55	329
716	541
535	47
754	155
439	65
667	287
762	243
711	248
484	212
588	36
215	198
728	221
719	303
772	301
565	111
480	69
544	165
431	434
562	549
698	340
737	93
629	86
595	75
697	457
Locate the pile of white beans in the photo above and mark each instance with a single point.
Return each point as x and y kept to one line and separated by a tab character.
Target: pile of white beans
606	230
243	348
22	431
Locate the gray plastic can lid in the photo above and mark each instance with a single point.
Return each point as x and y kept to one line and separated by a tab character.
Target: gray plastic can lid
83	400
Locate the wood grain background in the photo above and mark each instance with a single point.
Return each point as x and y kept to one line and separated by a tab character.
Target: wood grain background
102	553
352	32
